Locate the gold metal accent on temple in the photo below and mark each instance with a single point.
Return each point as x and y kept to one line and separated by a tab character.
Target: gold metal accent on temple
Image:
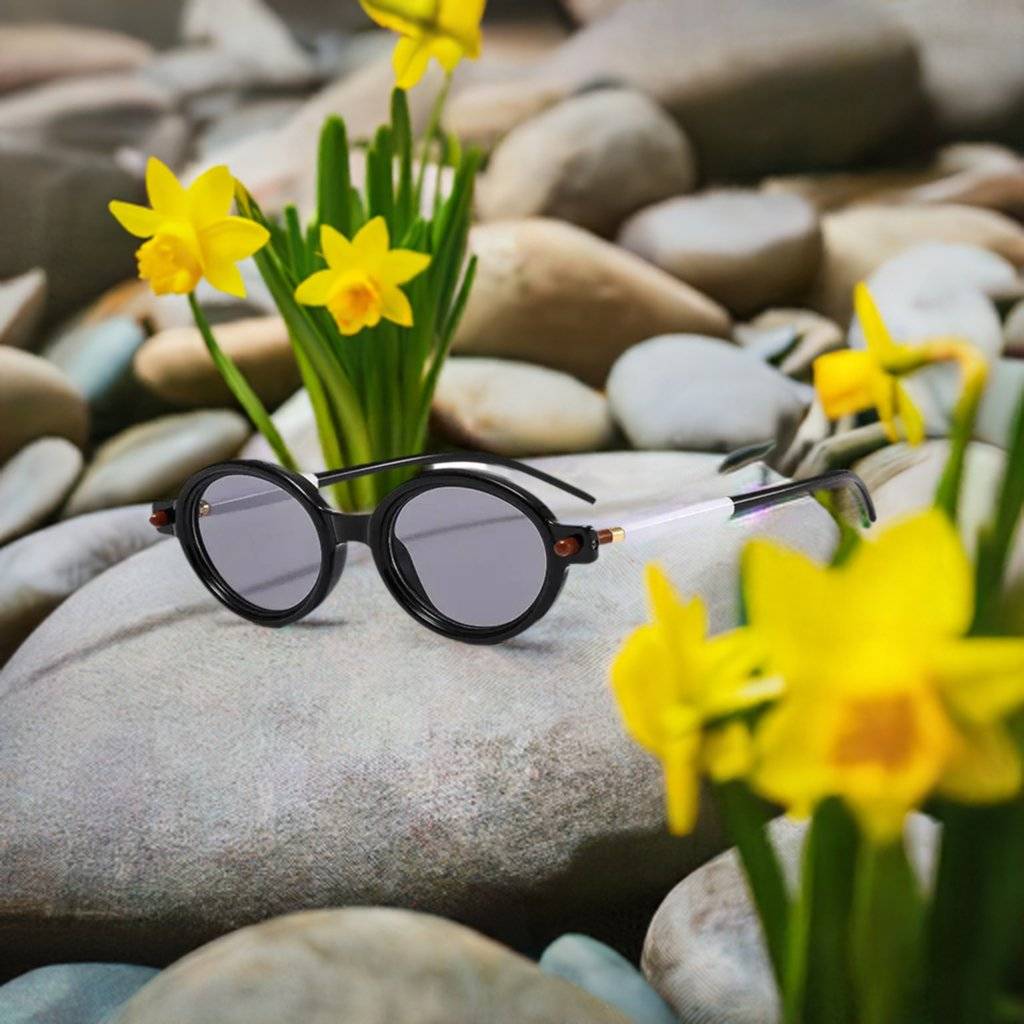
204	508
611	536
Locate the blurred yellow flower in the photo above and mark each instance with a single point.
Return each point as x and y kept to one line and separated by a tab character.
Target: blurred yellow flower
674	685
850	381
191	232
360	285
447	30
886	701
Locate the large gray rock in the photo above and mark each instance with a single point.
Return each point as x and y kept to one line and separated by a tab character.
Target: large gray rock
151	460
37	53
39	571
176	365
34	484
361	966
553	294
512	408
53	206
700	394
758	87
860	239
173	772
592	160
970	57
705	952
37	400
21	307
71	993
747	250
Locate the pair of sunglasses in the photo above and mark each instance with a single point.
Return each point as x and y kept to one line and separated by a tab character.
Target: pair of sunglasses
466	553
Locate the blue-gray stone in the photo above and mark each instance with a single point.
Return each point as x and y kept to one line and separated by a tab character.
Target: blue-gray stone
98	358
71	993
602	972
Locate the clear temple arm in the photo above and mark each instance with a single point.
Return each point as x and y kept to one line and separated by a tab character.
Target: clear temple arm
724	509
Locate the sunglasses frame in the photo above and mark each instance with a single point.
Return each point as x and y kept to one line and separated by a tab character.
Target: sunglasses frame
376	529
565	544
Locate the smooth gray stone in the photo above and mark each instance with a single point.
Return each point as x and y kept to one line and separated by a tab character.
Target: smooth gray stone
360	965
691	393
71	993
355	757
34	484
39	571
603	972
705	950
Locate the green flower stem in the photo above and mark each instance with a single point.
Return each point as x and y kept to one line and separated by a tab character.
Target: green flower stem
240	388
432	128
746	821
975	374
886	936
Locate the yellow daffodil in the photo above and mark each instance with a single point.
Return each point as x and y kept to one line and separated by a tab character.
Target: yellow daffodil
360	285
886	701
674	686
850	381
447	30
191	232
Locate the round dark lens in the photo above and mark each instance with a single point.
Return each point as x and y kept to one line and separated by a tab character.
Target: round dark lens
261	540
475	557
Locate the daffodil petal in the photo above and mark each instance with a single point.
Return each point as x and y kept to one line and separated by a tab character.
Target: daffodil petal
728	752
232	238
791	603
447	52
395	306
225	276
876	334
166	194
402	265
910	586
790	766
317	288
460	19
140	221
410	60
407	17
210	197
639	674
337	249
910	416
680	762
884	390
843	381
371	243
982	678
985	769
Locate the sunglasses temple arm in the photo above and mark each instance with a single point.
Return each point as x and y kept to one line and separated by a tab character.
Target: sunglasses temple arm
735	507
450	458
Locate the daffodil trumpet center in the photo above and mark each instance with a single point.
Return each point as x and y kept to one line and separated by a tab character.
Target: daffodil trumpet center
356	301
170	261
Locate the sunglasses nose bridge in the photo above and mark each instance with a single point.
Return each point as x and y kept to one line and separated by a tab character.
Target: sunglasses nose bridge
351	526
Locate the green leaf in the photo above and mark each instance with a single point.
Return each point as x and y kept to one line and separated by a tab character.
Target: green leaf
334	180
886	936
746	820
995	541
241	389
975	929
405	208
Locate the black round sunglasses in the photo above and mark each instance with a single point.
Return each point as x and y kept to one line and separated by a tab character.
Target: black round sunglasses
467	553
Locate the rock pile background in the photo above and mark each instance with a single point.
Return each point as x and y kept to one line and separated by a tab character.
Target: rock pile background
678	199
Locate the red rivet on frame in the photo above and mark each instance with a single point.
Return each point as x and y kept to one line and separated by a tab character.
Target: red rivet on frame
160	518
567	546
